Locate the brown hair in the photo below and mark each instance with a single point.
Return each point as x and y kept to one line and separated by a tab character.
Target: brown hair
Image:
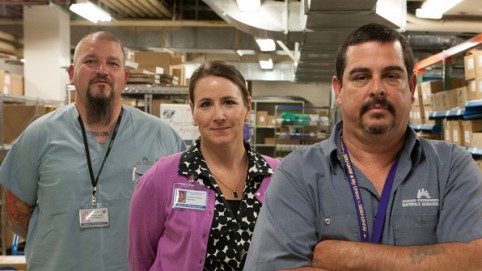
222	69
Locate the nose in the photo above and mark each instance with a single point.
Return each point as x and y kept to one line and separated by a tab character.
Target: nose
377	88
219	113
102	68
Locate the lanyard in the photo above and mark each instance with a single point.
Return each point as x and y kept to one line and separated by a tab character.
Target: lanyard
383	203
95	180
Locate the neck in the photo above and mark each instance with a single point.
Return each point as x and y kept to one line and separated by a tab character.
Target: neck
378	151
225	156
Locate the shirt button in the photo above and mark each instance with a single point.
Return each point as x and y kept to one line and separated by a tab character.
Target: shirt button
327	221
258	194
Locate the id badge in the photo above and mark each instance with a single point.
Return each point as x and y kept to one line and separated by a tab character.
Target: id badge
185	196
93	217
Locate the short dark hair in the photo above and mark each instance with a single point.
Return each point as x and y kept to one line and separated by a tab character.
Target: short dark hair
222	69
374	32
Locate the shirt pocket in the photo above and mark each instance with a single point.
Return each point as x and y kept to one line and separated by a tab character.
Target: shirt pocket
415	229
338	227
140	168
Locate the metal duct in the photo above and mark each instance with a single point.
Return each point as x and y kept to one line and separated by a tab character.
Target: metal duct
274	19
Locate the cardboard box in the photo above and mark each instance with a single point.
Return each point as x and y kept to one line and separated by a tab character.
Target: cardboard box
428	88
11	83
269	140
447	131
457	134
462	96
473	64
475	88
262	118
476	140
151	60
17	117
468	128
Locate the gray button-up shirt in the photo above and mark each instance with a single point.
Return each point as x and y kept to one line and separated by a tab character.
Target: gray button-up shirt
436	197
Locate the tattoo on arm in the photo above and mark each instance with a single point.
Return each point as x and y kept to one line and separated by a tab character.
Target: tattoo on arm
418	255
17	213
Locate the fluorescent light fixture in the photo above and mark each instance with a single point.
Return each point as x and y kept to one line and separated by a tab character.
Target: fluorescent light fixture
266	45
248	5
434	9
90	11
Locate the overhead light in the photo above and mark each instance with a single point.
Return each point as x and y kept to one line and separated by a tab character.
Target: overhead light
90	11
266	45
434	9
248	5
265	62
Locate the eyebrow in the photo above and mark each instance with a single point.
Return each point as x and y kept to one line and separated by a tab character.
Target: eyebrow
367	70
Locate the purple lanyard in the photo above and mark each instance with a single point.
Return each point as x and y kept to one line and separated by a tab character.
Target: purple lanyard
382	205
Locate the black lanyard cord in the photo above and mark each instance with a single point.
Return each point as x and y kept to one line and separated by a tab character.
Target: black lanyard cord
95	180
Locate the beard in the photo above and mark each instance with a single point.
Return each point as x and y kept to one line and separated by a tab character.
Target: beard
100	109
382	128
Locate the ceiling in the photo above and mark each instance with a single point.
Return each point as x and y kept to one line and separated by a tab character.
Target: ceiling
308	32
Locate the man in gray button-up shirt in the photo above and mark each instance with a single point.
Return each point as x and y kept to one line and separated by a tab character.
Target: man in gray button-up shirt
374	196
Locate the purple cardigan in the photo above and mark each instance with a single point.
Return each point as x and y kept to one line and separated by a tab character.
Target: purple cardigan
169	239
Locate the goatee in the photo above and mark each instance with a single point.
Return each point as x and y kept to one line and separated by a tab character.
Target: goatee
380	129
100	109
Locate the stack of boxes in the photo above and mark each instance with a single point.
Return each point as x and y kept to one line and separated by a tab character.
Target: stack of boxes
11	84
472	129
168	68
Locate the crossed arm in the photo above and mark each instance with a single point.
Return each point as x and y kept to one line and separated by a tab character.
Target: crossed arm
16	213
347	255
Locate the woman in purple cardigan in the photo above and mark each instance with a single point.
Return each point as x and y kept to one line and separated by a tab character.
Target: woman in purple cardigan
197	210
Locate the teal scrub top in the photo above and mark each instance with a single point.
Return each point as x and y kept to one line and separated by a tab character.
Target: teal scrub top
47	166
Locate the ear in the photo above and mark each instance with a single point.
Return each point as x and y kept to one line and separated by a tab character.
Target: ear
126	77
248	111
70	70
336	84
194	122
413	87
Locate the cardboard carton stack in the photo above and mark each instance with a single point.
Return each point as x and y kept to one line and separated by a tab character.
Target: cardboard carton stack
161	68
11	84
473	73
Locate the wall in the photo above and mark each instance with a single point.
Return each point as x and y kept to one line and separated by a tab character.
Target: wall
318	94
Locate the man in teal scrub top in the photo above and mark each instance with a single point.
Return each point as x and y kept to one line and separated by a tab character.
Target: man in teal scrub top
69	177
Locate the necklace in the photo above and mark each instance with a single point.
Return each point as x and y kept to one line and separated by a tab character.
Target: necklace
233	191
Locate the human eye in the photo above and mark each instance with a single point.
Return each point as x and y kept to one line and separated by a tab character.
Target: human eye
113	63
229	102
393	78
204	104
90	61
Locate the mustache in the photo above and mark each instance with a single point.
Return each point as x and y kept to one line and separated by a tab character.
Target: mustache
100	78
377	101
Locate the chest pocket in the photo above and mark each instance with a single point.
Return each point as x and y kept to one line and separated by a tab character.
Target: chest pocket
141	168
415	229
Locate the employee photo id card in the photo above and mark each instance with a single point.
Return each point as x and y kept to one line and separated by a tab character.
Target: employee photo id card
189	199
94	218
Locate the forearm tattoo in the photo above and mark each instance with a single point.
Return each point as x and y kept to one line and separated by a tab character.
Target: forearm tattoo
418	255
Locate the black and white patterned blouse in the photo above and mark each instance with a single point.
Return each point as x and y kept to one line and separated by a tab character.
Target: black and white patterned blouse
231	233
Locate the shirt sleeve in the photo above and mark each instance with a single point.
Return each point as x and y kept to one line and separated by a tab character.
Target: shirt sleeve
285	232
146	225
462	200
19	170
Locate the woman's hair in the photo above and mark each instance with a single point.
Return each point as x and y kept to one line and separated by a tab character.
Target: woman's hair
219	68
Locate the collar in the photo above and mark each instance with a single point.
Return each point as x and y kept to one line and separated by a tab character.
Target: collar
411	150
256	163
